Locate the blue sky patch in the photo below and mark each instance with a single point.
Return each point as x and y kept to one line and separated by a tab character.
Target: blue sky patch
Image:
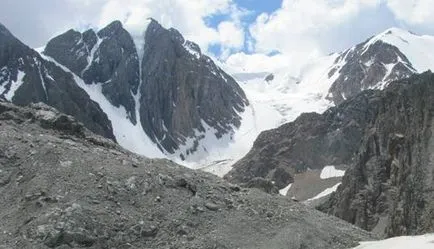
254	9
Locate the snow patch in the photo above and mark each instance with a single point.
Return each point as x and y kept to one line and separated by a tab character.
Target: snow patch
91	57
285	190
324	193
14	87
418	242
330	172
188	47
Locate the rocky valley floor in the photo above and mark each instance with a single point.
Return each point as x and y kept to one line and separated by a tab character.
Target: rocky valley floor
63	187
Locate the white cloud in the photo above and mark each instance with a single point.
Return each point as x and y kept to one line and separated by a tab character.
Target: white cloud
231	36
188	16
250	63
185	15
298	28
413	11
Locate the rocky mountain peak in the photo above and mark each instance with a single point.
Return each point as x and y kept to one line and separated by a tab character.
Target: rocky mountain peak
107	58
184	93
158	84
391	55
111	29
25	77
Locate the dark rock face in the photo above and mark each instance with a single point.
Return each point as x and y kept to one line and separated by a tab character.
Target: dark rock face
389	188
72	49
108	58
269	78
64	187
367	66
312	141
43	81
181	88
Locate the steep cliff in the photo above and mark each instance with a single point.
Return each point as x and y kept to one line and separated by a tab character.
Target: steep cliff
390	186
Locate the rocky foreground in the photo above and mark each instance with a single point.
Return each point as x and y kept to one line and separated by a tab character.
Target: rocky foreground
61	186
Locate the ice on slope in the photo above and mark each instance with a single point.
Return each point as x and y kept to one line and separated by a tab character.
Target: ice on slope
404	242
414	47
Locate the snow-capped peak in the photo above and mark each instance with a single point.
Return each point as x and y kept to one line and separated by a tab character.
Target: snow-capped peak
415	47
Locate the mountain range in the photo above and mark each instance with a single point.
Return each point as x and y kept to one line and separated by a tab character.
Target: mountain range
357	123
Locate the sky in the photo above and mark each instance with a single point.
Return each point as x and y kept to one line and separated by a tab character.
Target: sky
244	35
